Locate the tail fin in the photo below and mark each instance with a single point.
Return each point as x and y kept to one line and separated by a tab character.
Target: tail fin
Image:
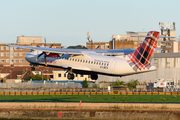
142	56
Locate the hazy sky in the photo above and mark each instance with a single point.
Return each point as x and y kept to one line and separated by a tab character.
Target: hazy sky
67	21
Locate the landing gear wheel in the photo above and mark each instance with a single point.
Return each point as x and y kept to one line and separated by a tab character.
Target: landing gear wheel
70	76
94	77
32	68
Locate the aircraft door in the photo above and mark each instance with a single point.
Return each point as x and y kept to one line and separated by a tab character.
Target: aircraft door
112	66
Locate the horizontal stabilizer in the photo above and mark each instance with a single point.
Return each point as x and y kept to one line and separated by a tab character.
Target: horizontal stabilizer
152	36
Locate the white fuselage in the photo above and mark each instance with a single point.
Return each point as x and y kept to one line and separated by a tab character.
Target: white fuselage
91	62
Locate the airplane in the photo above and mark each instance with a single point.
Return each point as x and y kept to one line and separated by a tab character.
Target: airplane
93	62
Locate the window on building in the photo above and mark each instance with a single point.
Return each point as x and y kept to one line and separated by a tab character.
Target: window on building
158	44
2	61
2	54
81	75
76	75
168	62
102	46
12	60
59	75
7	54
20	54
21	60
11	54
2	47
15	60
7	48
64	74
7	60
15	54
107	46
51	76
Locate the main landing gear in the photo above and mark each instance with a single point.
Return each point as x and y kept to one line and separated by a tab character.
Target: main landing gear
94	76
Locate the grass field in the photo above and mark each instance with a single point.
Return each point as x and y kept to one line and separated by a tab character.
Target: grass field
91	98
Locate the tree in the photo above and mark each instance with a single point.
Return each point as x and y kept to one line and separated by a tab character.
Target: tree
132	84
85	83
35	77
118	83
77	47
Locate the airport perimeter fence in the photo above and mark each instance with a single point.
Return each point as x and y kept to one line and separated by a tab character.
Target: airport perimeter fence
90	93
47	87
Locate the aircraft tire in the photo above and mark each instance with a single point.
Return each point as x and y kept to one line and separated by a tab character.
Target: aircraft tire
94	77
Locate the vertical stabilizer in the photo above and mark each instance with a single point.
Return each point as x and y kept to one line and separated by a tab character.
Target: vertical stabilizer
142	56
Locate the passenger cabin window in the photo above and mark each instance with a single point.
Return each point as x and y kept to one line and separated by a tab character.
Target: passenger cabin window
80	60
91	62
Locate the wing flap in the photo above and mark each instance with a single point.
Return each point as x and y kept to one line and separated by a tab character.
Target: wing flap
77	67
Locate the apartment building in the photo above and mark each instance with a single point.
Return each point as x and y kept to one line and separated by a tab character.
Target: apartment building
14	56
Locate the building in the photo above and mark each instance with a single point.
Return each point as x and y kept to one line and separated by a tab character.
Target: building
13	56
97	45
28	39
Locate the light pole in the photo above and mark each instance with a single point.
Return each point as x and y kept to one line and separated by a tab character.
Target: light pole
42	74
10	74
47	74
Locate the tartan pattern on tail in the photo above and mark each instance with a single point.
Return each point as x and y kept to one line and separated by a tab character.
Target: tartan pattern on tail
142	56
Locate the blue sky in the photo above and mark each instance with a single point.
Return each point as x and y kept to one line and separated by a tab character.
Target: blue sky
67	21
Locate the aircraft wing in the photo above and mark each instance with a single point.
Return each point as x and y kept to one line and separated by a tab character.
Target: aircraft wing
50	50
114	52
76	51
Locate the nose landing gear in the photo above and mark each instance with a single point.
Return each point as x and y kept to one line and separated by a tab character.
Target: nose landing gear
70	76
32	68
